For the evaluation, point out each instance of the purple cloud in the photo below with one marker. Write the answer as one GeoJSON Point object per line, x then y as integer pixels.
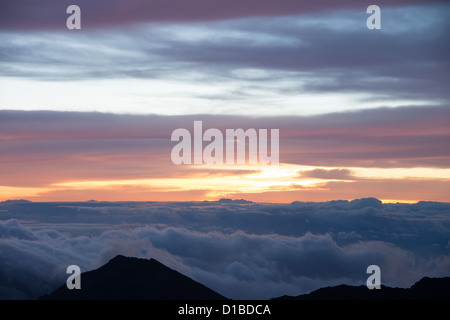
{"type": "Point", "coordinates": [25, 14]}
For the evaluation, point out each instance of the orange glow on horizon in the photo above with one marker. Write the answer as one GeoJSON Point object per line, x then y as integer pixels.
{"type": "Point", "coordinates": [278, 184]}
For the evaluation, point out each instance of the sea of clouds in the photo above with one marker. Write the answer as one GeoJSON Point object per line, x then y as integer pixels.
{"type": "Point", "coordinates": [240, 249]}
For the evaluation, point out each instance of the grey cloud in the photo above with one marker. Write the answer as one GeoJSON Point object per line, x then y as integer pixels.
{"type": "Point", "coordinates": [398, 137]}
{"type": "Point", "coordinates": [328, 174]}
{"type": "Point", "coordinates": [426, 221]}
{"type": "Point", "coordinates": [23, 15]}
{"type": "Point", "coordinates": [12, 228]}
{"type": "Point", "coordinates": [278, 262]}
{"type": "Point", "coordinates": [399, 63]}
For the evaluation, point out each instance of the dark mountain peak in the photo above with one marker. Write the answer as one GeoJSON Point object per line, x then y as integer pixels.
{"type": "Point", "coordinates": [427, 282]}
{"type": "Point", "coordinates": [424, 289]}
{"type": "Point", "coordinates": [20, 201]}
{"type": "Point", "coordinates": [130, 262]}
{"type": "Point", "coordinates": [236, 201]}
{"type": "Point", "coordinates": [123, 259]}
{"type": "Point", "coordinates": [128, 278]}
{"type": "Point", "coordinates": [120, 257]}
{"type": "Point", "coordinates": [435, 288]}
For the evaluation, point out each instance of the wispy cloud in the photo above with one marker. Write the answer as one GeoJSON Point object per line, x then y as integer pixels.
{"type": "Point", "coordinates": [335, 174]}
{"type": "Point", "coordinates": [23, 14]}
{"type": "Point", "coordinates": [280, 65]}
{"type": "Point", "coordinates": [63, 152]}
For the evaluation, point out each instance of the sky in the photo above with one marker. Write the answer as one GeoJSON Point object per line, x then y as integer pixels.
{"type": "Point", "coordinates": [364, 141]}
{"type": "Point", "coordinates": [88, 114]}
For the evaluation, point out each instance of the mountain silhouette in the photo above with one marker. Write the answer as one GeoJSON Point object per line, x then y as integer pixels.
{"type": "Point", "coordinates": [424, 289]}
{"type": "Point", "coordinates": [126, 278]}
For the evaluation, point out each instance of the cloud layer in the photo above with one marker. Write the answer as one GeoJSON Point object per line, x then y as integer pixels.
{"type": "Point", "coordinates": [242, 250]}
{"type": "Point", "coordinates": [21, 14]}
{"type": "Point", "coordinates": [311, 63]}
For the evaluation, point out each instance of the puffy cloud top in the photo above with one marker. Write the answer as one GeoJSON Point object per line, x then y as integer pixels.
{"type": "Point", "coordinates": [242, 250]}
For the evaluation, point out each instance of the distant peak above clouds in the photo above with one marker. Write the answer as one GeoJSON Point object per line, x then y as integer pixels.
{"type": "Point", "coordinates": [128, 278]}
